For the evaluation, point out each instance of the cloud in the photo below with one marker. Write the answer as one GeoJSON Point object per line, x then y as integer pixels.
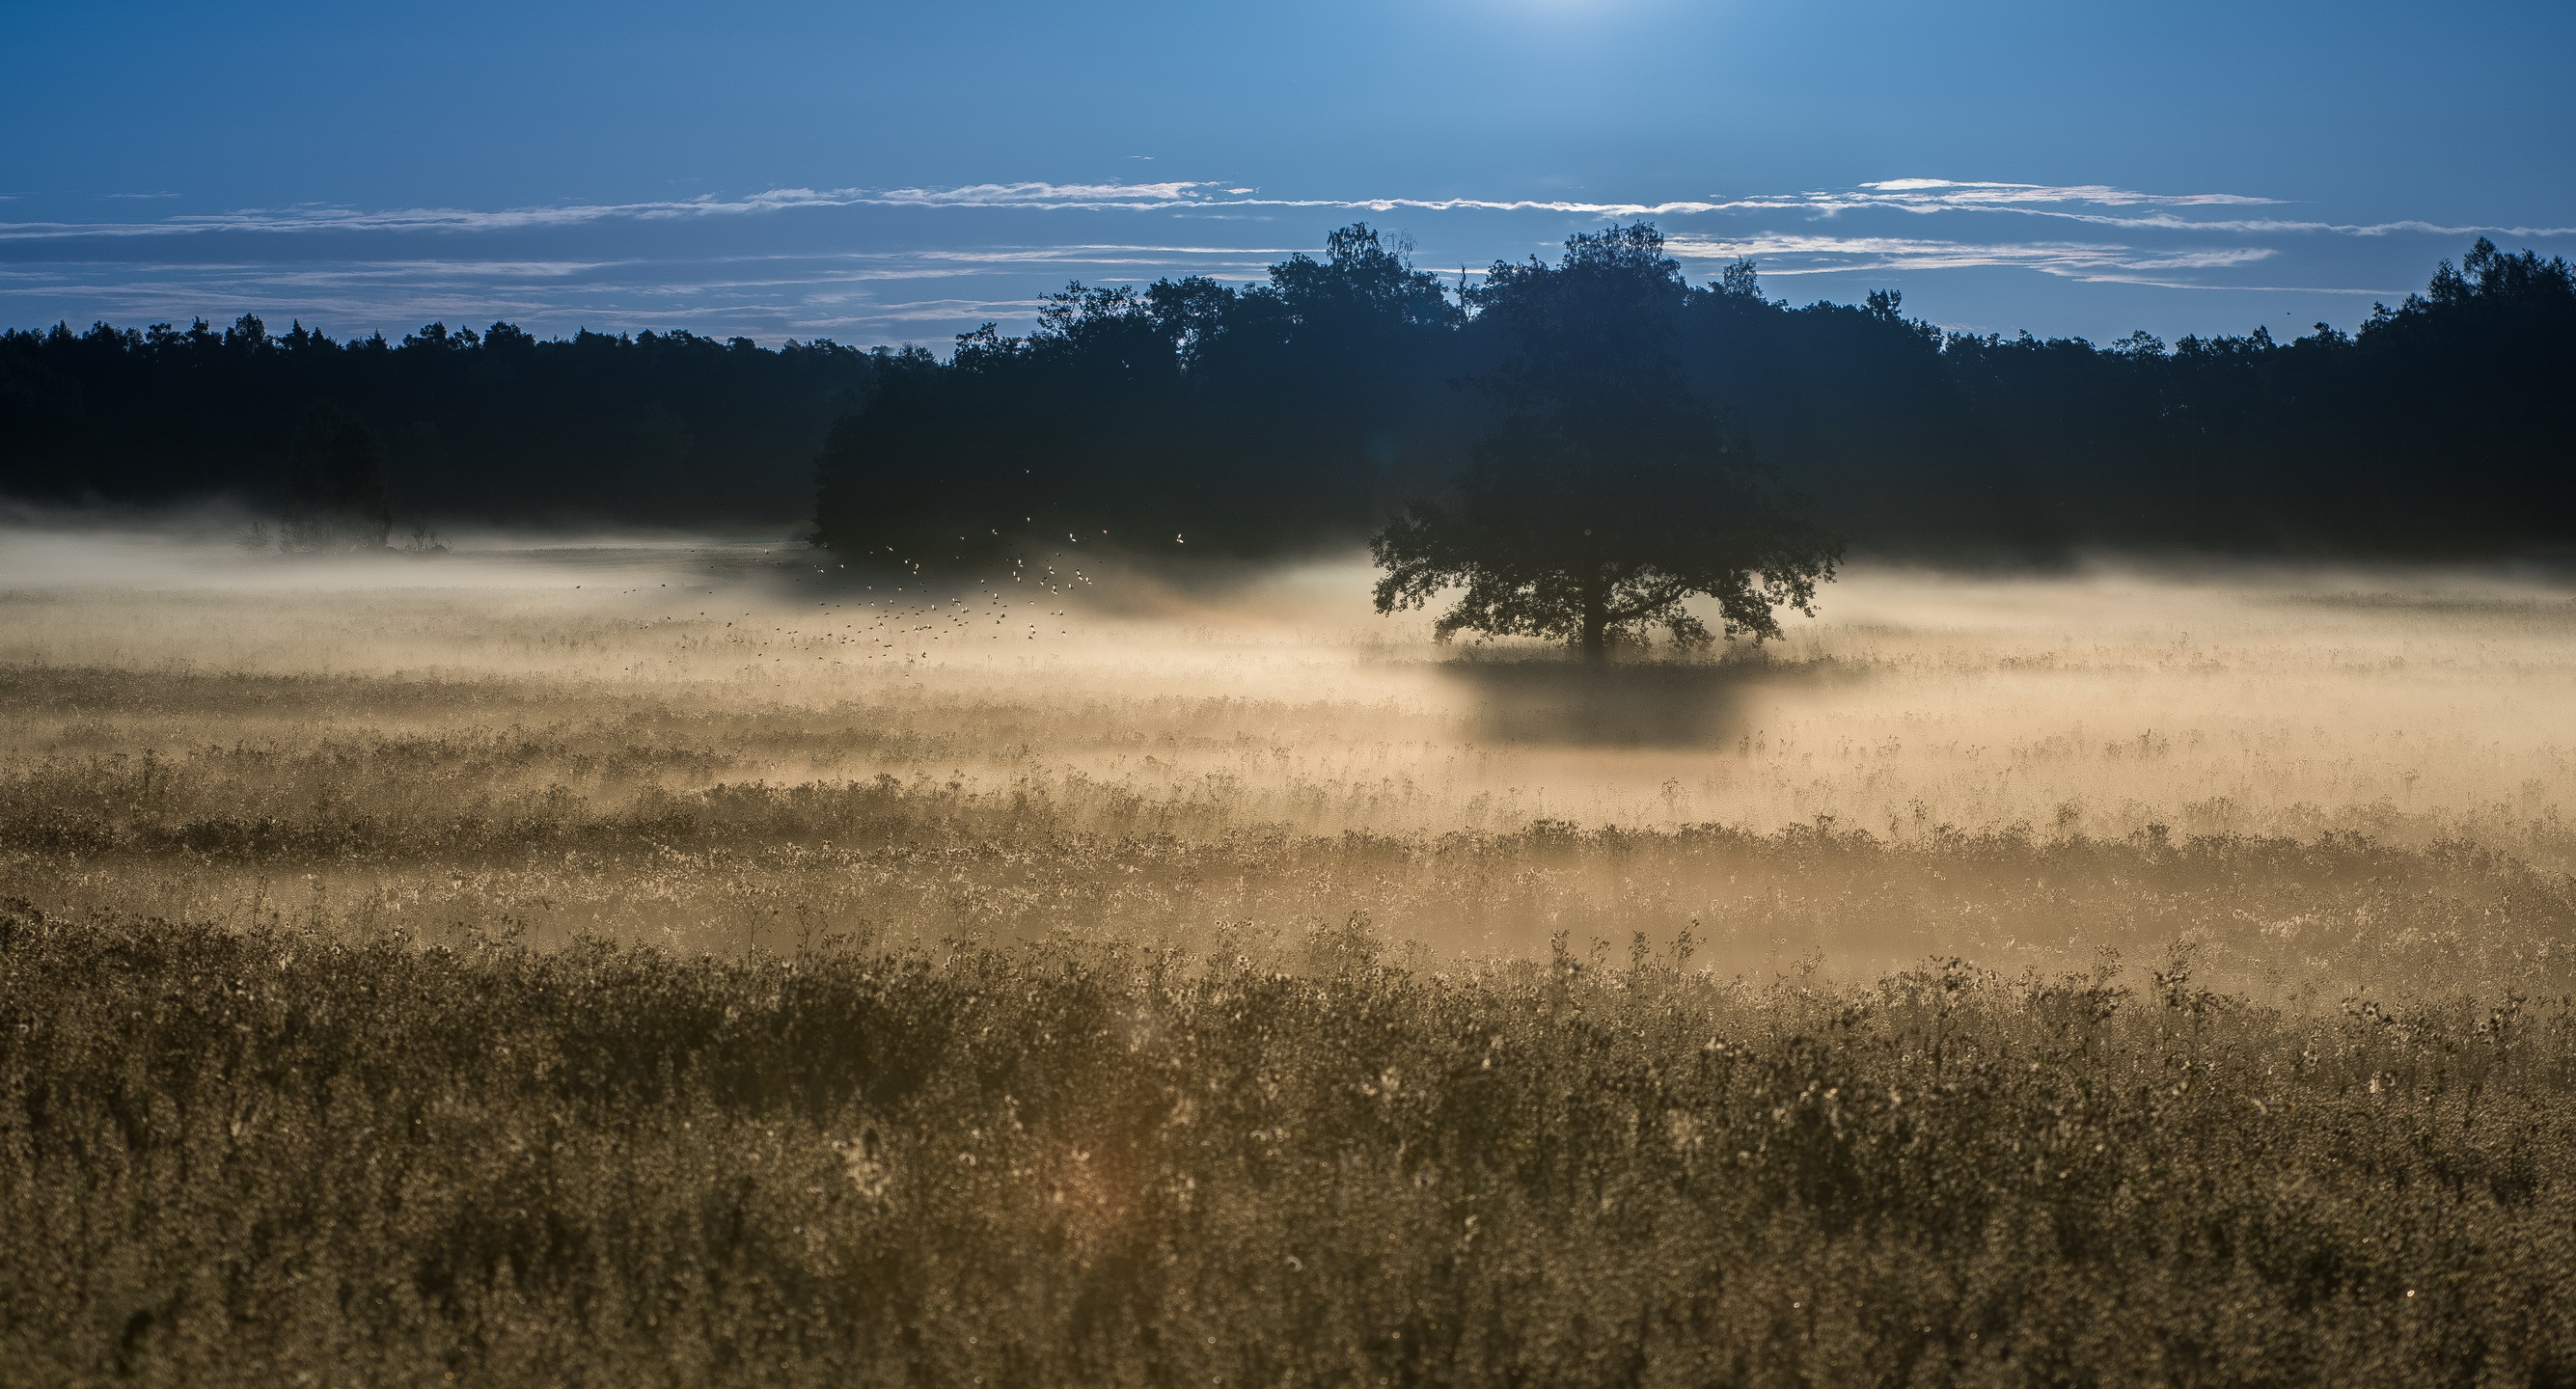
{"type": "Point", "coordinates": [317, 218]}
{"type": "Point", "coordinates": [1791, 255]}
{"type": "Point", "coordinates": [1815, 255]}
{"type": "Point", "coordinates": [2409, 227]}
{"type": "Point", "coordinates": [1934, 194]}
{"type": "Point", "coordinates": [1913, 195]}
{"type": "Point", "coordinates": [939, 310]}
{"type": "Point", "coordinates": [1108, 254]}
{"type": "Point", "coordinates": [1920, 196]}
{"type": "Point", "coordinates": [987, 250]}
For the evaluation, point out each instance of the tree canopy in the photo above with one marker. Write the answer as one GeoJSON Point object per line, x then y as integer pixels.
{"type": "Point", "coordinates": [1250, 420]}
{"type": "Point", "coordinates": [1607, 493]}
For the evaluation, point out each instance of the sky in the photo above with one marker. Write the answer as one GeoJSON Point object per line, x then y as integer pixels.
{"type": "Point", "coordinates": [899, 174]}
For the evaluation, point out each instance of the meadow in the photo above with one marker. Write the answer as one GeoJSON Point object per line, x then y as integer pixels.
{"type": "Point", "coordinates": [692, 962]}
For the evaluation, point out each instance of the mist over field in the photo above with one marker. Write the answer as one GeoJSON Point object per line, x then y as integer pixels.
{"type": "Point", "coordinates": [711, 743]}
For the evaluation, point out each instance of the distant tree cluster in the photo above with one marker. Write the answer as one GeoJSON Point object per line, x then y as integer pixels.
{"type": "Point", "coordinates": [1314, 406]}
{"type": "Point", "coordinates": [656, 429]}
{"type": "Point", "coordinates": [1188, 414]}
{"type": "Point", "coordinates": [2442, 427]}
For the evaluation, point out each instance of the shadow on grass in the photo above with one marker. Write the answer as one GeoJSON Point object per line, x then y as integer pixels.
{"type": "Point", "coordinates": [1621, 704]}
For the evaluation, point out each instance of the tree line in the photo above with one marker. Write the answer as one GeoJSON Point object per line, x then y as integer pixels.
{"type": "Point", "coordinates": [673, 429]}
{"type": "Point", "coordinates": [1190, 416]}
{"type": "Point", "coordinates": [1264, 417]}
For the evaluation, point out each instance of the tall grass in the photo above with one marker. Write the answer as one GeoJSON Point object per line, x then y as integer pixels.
{"type": "Point", "coordinates": [701, 821]}
{"type": "Point", "coordinates": [273, 1156]}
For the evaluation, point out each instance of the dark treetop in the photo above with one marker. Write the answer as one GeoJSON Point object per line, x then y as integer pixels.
{"type": "Point", "coordinates": [1607, 491]}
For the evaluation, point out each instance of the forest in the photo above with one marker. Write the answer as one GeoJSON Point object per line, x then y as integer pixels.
{"type": "Point", "coordinates": [1300, 413]}
{"type": "Point", "coordinates": [651, 429]}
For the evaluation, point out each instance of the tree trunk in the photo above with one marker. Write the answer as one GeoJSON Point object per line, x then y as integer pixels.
{"type": "Point", "coordinates": [1596, 617]}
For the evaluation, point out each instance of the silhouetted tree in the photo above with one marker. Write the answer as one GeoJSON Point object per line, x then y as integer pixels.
{"type": "Point", "coordinates": [1609, 494]}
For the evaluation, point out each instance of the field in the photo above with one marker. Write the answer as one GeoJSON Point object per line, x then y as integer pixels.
{"type": "Point", "coordinates": [691, 963]}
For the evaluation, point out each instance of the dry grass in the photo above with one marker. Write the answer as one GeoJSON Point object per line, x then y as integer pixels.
{"type": "Point", "coordinates": [531, 945]}
{"type": "Point", "coordinates": [277, 1157]}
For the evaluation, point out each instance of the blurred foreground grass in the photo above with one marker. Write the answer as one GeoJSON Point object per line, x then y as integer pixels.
{"type": "Point", "coordinates": [273, 1156]}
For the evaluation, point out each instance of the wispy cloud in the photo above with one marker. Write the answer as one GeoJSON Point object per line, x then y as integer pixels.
{"type": "Point", "coordinates": [1791, 255]}
{"type": "Point", "coordinates": [952, 310]}
{"type": "Point", "coordinates": [2086, 203]}
{"type": "Point", "coordinates": [1911, 195]}
{"type": "Point", "coordinates": [817, 260]}
{"type": "Point", "coordinates": [2262, 225]}
{"type": "Point", "coordinates": [1810, 255]}
{"type": "Point", "coordinates": [1096, 197]}
{"type": "Point", "coordinates": [1934, 194]}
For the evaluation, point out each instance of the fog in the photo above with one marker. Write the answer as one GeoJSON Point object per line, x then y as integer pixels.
{"type": "Point", "coordinates": [2263, 700]}
{"type": "Point", "coordinates": [557, 728]}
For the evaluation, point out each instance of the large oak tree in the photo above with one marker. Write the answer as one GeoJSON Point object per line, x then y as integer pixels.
{"type": "Point", "coordinates": [1610, 494]}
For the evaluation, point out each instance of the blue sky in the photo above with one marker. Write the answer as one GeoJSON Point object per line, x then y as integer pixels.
{"type": "Point", "coordinates": [877, 173]}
